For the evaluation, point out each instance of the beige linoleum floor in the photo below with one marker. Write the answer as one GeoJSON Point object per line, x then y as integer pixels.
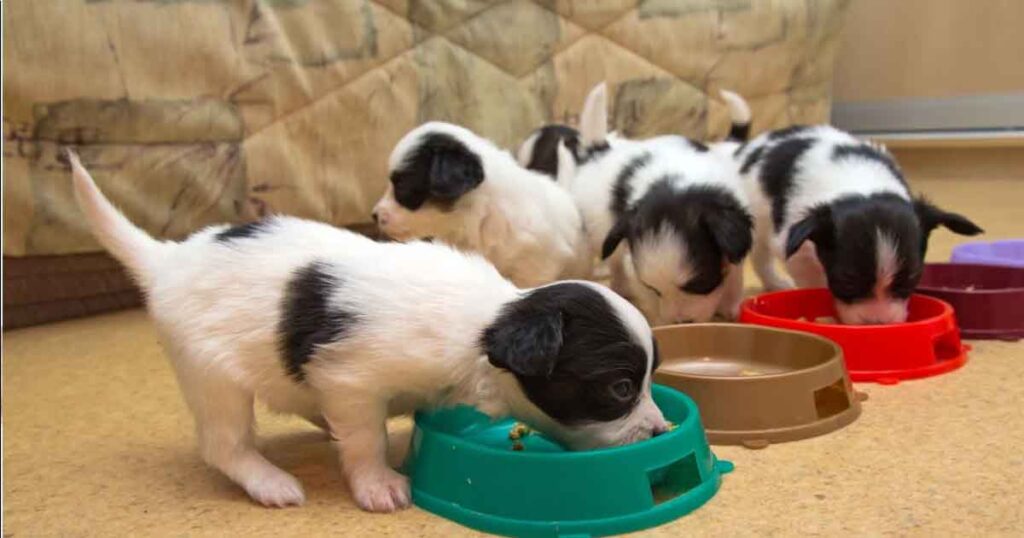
{"type": "Point", "coordinates": [97, 442]}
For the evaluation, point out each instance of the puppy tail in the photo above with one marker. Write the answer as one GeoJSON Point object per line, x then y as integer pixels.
{"type": "Point", "coordinates": [739, 114]}
{"type": "Point", "coordinates": [594, 117]}
{"type": "Point", "coordinates": [125, 241]}
{"type": "Point", "coordinates": [566, 165]}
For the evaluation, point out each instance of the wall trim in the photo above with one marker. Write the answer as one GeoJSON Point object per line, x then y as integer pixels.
{"type": "Point", "coordinates": [991, 112]}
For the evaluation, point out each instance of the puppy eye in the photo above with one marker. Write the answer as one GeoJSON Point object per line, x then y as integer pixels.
{"type": "Point", "coordinates": [652, 288]}
{"type": "Point", "coordinates": [622, 389]}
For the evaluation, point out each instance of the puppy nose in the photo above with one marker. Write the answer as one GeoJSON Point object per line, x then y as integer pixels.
{"type": "Point", "coordinates": [659, 429]}
{"type": "Point", "coordinates": [376, 218]}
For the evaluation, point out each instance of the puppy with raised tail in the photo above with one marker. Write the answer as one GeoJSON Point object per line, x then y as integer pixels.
{"type": "Point", "coordinates": [668, 214]}
{"type": "Point", "coordinates": [452, 185]}
{"type": "Point", "coordinates": [838, 212]}
{"type": "Point", "coordinates": [345, 331]}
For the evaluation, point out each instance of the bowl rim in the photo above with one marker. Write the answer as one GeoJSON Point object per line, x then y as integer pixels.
{"type": "Point", "coordinates": [988, 291]}
{"type": "Point", "coordinates": [748, 306]}
{"type": "Point", "coordinates": [692, 421]}
{"type": "Point", "coordinates": [836, 349]}
{"type": "Point", "coordinates": [980, 252]}
{"type": "Point", "coordinates": [969, 245]}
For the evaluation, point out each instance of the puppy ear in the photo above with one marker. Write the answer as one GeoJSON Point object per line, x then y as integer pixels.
{"type": "Point", "coordinates": [932, 217]}
{"type": "Point", "coordinates": [615, 236]}
{"type": "Point", "coordinates": [818, 227]}
{"type": "Point", "coordinates": [594, 117]}
{"type": "Point", "coordinates": [731, 229]}
{"type": "Point", "coordinates": [525, 341]}
{"type": "Point", "coordinates": [454, 171]}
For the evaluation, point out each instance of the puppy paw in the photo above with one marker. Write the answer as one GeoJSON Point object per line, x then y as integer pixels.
{"type": "Point", "coordinates": [382, 491]}
{"type": "Point", "coordinates": [276, 489]}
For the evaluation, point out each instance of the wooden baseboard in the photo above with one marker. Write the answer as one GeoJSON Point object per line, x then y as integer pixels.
{"type": "Point", "coordinates": [16, 316]}
{"type": "Point", "coordinates": [960, 162]}
{"type": "Point", "coordinates": [40, 289]}
{"type": "Point", "coordinates": [43, 289]}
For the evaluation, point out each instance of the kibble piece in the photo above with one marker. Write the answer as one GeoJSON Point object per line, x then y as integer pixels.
{"type": "Point", "coordinates": [517, 446]}
{"type": "Point", "coordinates": [518, 431]}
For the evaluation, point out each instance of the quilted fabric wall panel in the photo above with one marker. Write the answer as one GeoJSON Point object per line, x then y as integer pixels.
{"type": "Point", "coordinates": [191, 112]}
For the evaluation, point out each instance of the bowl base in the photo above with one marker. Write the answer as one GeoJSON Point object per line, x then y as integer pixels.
{"type": "Point", "coordinates": [893, 377]}
{"type": "Point", "coordinates": [661, 513]}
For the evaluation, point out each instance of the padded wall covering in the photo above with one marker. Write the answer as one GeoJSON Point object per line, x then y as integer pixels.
{"type": "Point", "coordinates": [191, 112]}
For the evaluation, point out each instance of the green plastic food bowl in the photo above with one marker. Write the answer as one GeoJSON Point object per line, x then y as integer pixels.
{"type": "Point", "coordinates": [464, 467]}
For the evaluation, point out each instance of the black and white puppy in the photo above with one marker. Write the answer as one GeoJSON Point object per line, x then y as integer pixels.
{"type": "Point", "coordinates": [452, 185]}
{"type": "Point", "coordinates": [679, 208]}
{"type": "Point", "coordinates": [839, 213]}
{"type": "Point", "coordinates": [345, 331]}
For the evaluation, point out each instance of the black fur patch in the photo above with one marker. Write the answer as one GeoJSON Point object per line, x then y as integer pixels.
{"type": "Point", "coordinates": [570, 352]}
{"type": "Point", "coordinates": [866, 152]}
{"type": "Point", "coordinates": [623, 187]}
{"type": "Point", "coordinates": [439, 170]}
{"type": "Point", "coordinates": [242, 231]}
{"type": "Point", "coordinates": [777, 172]}
{"type": "Point", "coordinates": [845, 234]}
{"type": "Point", "coordinates": [711, 223]}
{"type": "Point", "coordinates": [544, 158]}
{"type": "Point", "coordinates": [698, 145]}
{"type": "Point", "coordinates": [308, 320]}
{"type": "Point", "coordinates": [739, 132]}
{"type": "Point", "coordinates": [787, 132]}
{"type": "Point", "coordinates": [751, 159]}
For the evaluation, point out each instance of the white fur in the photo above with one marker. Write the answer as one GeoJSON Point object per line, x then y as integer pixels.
{"type": "Point", "coordinates": [520, 220]}
{"type": "Point", "coordinates": [422, 308]}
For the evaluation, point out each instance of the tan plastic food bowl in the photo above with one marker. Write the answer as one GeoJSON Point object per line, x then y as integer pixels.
{"type": "Point", "coordinates": [758, 385]}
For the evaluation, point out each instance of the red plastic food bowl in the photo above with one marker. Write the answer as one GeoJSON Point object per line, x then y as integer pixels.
{"type": "Point", "coordinates": [927, 344]}
{"type": "Point", "coordinates": [988, 299]}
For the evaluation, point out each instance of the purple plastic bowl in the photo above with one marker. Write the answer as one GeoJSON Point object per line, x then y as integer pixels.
{"type": "Point", "coordinates": [1010, 252]}
{"type": "Point", "coordinates": [988, 299]}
